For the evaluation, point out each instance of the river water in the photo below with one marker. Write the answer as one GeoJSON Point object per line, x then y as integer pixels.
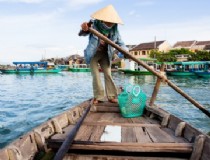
{"type": "Point", "coordinates": [28, 100]}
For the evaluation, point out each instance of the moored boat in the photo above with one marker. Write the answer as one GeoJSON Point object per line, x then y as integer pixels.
{"type": "Point", "coordinates": [79, 68]}
{"type": "Point", "coordinates": [132, 67]}
{"type": "Point", "coordinates": [205, 72]}
{"type": "Point", "coordinates": [31, 67]}
{"type": "Point", "coordinates": [63, 67]}
{"type": "Point", "coordinates": [186, 68]}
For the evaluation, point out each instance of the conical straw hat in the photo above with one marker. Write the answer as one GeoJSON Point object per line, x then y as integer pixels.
{"type": "Point", "coordinates": [107, 14]}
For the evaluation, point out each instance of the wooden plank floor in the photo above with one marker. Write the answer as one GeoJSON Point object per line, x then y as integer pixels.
{"type": "Point", "coordinates": [140, 134]}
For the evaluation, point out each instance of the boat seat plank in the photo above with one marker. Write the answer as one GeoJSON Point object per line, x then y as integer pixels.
{"type": "Point", "coordinates": [120, 124]}
{"type": "Point", "coordinates": [128, 134]}
{"type": "Point", "coordinates": [159, 136]}
{"type": "Point", "coordinates": [105, 109]}
{"type": "Point", "coordinates": [136, 147]}
{"type": "Point", "coordinates": [107, 104]}
{"type": "Point", "coordinates": [110, 157]}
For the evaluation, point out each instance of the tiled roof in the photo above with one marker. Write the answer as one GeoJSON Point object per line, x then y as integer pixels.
{"type": "Point", "coordinates": [207, 47]}
{"type": "Point", "coordinates": [147, 46]}
{"type": "Point", "coordinates": [203, 43]}
{"type": "Point", "coordinates": [183, 44]}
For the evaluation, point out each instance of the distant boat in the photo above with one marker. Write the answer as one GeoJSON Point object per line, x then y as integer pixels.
{"type": "Point", "coordinates": [206, 72]}
{"type": "Point", "coordinates": [186, 68]}
{"type": "Point", "coordinates": [203, 73]}
{"type": "Point", "coordinates": [31, 67]}
{"type": "Point", "coordinates": [132, 67]}
{"type": "Point", "coordinates": [63, 67]}
{"type": "Point", "coordinates": [79, 68]}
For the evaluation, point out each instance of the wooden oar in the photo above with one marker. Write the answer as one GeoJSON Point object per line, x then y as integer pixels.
{"type": "Point", "coordinates": [69, 139]}
{"type": "Point", "coordinates": [199, 106]}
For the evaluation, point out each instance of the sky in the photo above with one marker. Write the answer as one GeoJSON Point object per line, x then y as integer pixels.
{"type": "Point", "coordinates": [34, 29]}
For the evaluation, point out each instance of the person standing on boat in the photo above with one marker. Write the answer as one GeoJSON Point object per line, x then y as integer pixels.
{"type": "Point", "coordinates": [105, 21]}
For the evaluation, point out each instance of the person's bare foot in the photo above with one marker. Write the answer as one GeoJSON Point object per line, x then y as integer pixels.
{"type": "Point", "coordinates": [114, 100]}
{"type": "Point", "coordinates": [95, 101]}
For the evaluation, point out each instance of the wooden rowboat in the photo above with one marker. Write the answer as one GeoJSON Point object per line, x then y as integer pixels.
{"type": "Point", "coordinates": [154, 136]}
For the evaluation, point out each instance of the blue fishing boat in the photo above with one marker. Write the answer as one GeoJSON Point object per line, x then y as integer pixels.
{"type": "Point", "coordinates": [205, 72]}
{"type": "Point", "coordinates": [186, 68]}
{"type": "Point", "coordinates": [31, 67]}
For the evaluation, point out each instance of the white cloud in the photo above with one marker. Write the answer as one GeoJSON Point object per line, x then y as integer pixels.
{"type": "Point", "coordinates": [29, 37]}
{"type": "Point", "coordinates": [79, 4]}
{"type": "Point", "coordinates": [22, 1]}
{"type": "Point", "coordinates": [198, 29]}
{"type": "Point", "coordinates": [134, 13]}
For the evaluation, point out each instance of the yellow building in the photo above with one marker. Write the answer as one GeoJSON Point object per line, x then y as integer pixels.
{"type": "Point", "coordinates": [143, 50]}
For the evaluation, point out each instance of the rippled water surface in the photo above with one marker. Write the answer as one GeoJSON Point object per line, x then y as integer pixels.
{"type": "Point", "coordinates": [28, 100]}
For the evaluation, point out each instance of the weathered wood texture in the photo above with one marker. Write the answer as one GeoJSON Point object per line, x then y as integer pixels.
{"type": "Point", "coordinates": [140, 135]}
{"type": "Point", "coordinates": [198, 147]}
{"type": "Point", "coordinates": [23, 148]}
{"type": "Point", "coordinates": [4, 155]}
{"type": "Point", "coordinates": [109, 157]}
{"type": "Point", "coordinates": [70, 137]}
{"type": "Point", "coordinates": [206, 150]}
{"type": "Point", "coordinates": [137, 147]}
{"type": "Point", "coordinates": [95, 123]}
{"type": "Point", "coordinates": [156, 88]}
{"type": "Point", "coordinates": [189, 133]}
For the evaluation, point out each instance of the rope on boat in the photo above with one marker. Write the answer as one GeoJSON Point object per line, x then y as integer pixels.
{"type": "Point", "coordinates": [176, 88]}
{"type": "Point", "coordinates": [69, 139]}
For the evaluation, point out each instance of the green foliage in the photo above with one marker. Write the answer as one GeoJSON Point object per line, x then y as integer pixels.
{"type": "Point", "coordinates": [200, 56]}
{"type": "Point", "coordinates": [180, 51]}
{"type": "Point", "coordinates": [170, 56]}
{"type": "Point", "coordinates": [163, 57]}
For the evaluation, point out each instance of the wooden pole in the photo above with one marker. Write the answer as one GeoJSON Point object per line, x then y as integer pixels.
{"type": "Point", "coordinates": [128, 55]}
{"type": "Point", "coordinates": [156, 88]}
{"type": "Point", "coordinates": [69, 139]}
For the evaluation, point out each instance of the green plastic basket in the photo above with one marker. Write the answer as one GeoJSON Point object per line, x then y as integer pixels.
{"type": "Point", "coordinates": [132, 101]}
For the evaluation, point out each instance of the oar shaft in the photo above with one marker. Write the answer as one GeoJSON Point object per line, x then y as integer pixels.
{"type": "Point", "coordinates": [199, 106]}
{"type": "Point", "coordinates": [69, 139]}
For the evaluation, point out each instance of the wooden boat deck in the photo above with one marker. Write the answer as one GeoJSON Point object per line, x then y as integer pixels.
{"type": "Point", "coordinates": [143, 137]}
{"type": "Point", "coordinates": [156, 135]}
